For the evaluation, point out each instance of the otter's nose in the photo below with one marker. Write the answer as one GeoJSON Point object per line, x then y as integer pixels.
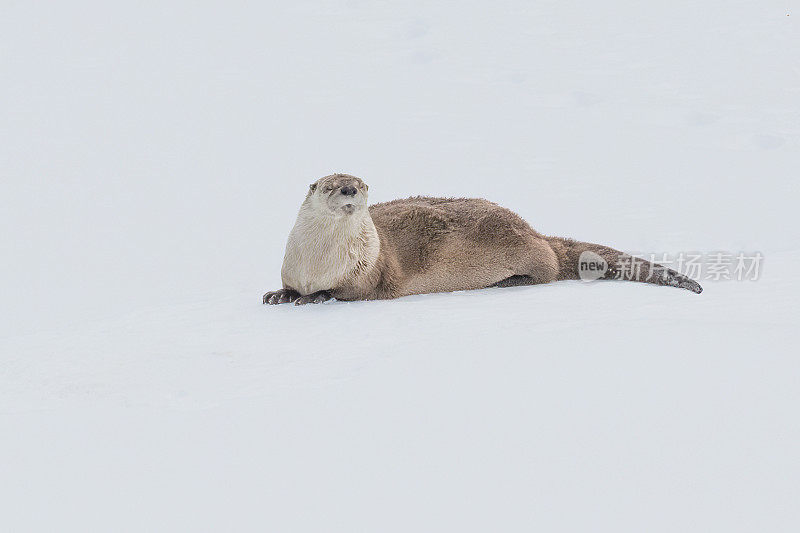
{"type": "Point", "coordinates": [349, 190]}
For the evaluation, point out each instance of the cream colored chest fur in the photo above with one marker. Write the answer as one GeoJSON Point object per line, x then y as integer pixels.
{"type": "Point", "coordinates": [325, 252]}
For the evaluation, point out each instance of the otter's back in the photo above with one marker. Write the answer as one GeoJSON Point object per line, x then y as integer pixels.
{"type": "Point", "coordinates": [449, 243]}
{"type": "Point", "coordinates": [429, 218]}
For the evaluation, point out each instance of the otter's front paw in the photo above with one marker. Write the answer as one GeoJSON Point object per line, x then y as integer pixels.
{"type": "Point", "coordinates": [316, 298]}
{"type": "Point", "coordinates": [281, 296]}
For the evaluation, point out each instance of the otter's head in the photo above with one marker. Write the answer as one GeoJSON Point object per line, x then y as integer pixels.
{"type": "Point", "coordinates": [339, 195]}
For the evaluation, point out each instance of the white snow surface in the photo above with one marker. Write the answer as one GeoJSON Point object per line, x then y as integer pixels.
{"type": "Point", "coordinates": [152, 160]}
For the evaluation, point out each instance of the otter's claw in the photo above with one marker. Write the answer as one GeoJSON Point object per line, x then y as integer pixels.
{"type": "Point", "coordinates": [281, 296]}
{"type": "Point", "coordinates": [315, 298]}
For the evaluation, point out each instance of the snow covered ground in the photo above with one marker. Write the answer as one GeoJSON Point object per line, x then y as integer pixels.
{"type": "Point", "coordinates": [152, 160]}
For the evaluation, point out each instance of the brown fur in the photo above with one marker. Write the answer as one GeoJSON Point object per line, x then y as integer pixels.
{"type": "Point", "coordinates": [449, 244]}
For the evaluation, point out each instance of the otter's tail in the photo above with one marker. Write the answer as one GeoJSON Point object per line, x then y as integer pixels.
{"type": "Point", "coordinates": [583, 260]}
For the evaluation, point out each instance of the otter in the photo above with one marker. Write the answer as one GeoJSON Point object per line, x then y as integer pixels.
{"type": "Point", "coordinates": [341, 248]}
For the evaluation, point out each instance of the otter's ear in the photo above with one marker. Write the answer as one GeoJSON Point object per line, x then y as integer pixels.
{"type": "Point", "coordinates": [312, 187]}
